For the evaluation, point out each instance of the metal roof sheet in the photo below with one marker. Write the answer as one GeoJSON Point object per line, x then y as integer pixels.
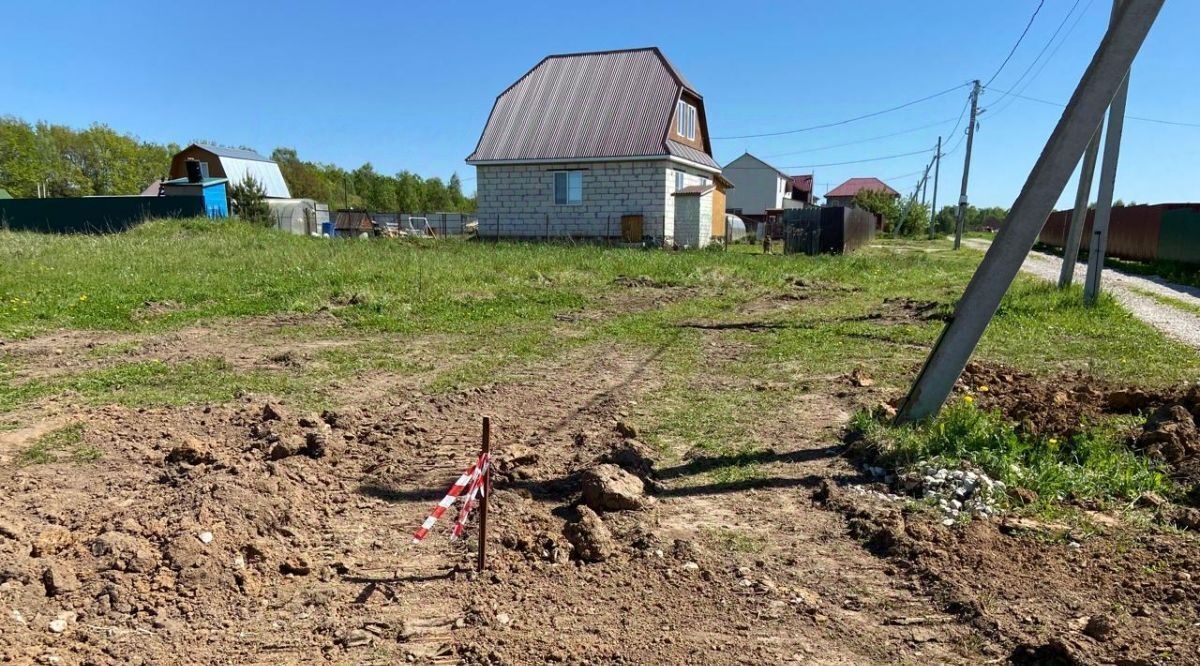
{"type": "Point", "coordinates": [691, 154]}
{"type": "Point", "coordinates": [240, 153]}
{"type": "Point", "coordinates": [587, 105]}
{"type": "Point", "coordinates": [693, 190]}
{"type": "Point", "coordinates": [267, 173]}
{"type": "Point", "coordinates": [803, 183]}
{"type": "Point", "coordinates": [855, 185]}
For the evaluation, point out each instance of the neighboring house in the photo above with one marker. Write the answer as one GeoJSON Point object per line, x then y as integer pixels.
{"type": "Point", "coordinates": [233, 164]}
{"type": "Point", "coordinates": [759, 187]}
{"type": "Point", "coordinates": [843, 195]}
{"type": "Point", "coordinates": [802, 190]}
{"type": "Point", "coordinates": [583, 140]}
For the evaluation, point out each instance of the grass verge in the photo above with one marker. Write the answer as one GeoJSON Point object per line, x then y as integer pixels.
{"type": "Point", "coordinates": [66, 441]}
{"type": "Point", "coordinates": [1094, 466]}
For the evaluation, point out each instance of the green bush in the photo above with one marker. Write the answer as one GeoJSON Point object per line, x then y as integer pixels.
{"type": "Point", "coordinates": [250, 200]}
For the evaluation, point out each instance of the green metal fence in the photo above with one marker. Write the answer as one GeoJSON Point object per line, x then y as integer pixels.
{"type": "Point", "coordinates": [93, 215]}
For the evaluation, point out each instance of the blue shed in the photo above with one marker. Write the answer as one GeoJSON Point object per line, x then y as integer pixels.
{"type": "Point", "coordinates": [216, 201]}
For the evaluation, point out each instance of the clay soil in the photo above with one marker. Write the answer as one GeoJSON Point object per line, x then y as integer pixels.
{"type": "Point", "coordinates": [260, 533]}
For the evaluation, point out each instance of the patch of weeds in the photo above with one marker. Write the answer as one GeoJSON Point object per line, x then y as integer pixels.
{"type": "Point", "coordinates": [9, 425]}
{"type": "Point", "coordinates": [50, 446]}
{"type": "Point", "coordinates": [1094, 466]}
{"type": "Point", "coordinates": [739, 467]}
{"type": "Point", "coordinates": [114, 349]}
{"type": "Point", "coordinates": [739, 542]}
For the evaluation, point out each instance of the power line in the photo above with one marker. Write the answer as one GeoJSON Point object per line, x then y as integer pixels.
{"type": "Point", "coordinates": [1041, 68]}
{"type": "Point", "coordinates": [1050, 41]}
{"type": "Point", "coordinates": [1019, 40]}
{"type": "Point", "coordinates": [843, 122]}
{"type": "Point", "coordinates": [870, 159]}
{"type": "Point", "coordinates": [854, 143]}
{"type": "Point", "coordinates": [1144, 119]}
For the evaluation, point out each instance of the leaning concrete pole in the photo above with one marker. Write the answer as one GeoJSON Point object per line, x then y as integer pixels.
{"type": "Point", "coordinates": [1042, 188]}
{"type": "Point", "coordinates": [1079, 215]}
{"type": "Point", "coordinates": [1104, 198]}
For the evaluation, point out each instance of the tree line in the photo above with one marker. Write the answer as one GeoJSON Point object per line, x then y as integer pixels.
{"type": "Point", "coordinates": [60, 161]}
{"type": "Point", "coordinates": [914, 220]}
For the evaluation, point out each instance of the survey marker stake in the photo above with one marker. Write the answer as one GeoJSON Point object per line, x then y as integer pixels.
{"type": "Point", "coordinates": [487, 493]}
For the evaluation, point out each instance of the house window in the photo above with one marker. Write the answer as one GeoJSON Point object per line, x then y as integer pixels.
{"type": "Point", "coordinates": [679, 185]}
{"type": "Point", "coordinates": [568, 187]}
{"type": "Point", "coordinates": [685, 120]}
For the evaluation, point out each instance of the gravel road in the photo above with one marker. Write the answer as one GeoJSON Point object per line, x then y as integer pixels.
{"type": "Point", "coordinates": [1135, 292]}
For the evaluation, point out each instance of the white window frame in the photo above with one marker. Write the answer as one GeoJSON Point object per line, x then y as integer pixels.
{"type": "Point", "coordinates": [568, 175]}
{"type": "Point", "coordinates": [680, 180]}
{"type": "Point", "coordinates": [685, 120]}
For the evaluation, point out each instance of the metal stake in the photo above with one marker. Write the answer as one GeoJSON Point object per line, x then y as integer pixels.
{"type": "Point", "coordinates": [1103, 78]}
{"type": "Point", "coordinates": [487, 493]}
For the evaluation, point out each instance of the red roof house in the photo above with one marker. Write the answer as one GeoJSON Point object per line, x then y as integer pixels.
{"type": "Point", "coordinates": [843, 195]}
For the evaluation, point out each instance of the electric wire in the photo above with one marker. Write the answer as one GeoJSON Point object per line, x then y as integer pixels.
{"type": "Point", "coordinates": [1019, 40]}
{"type": "Point", "coordinates": [843, 122]}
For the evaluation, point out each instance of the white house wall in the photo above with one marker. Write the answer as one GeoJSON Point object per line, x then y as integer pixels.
{"type": "Point", "coordinates": [517, 200]}
{"type": "Point", "coordinates": [756, 186]}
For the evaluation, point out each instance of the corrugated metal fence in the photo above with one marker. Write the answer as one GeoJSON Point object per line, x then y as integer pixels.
{"type": "Point", "coordinates": [1169, 232]}
{"type": "Point", "coordinates": [93, 214]}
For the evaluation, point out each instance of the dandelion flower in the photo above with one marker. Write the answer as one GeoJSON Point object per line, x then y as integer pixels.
{"type": "Point", "coordinates": [1053, 441]}
{"type": "Point", "coordinates": [83, 297]}
{"type": "Point", "coordinates": [968, 399]}
{"type": "Point", "coordinates": [983, 389]}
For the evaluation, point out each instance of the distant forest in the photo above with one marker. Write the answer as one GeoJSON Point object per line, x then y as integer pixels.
{"type": "Point", "coordinates": [67, 162]}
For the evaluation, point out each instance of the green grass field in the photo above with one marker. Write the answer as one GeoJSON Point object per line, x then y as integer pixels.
{"type": "Point", "coordinates": [451, 314]}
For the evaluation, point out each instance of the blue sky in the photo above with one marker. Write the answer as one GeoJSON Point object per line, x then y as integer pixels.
{"type": "Point", "coordinates": [409, 85]}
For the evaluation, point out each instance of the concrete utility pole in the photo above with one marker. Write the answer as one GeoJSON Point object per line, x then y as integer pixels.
{"type": "Point", "coordinates": [937, 165]}
{"type": "Point", "coordinates": [1108, 181]}
{"type": "Point", "coordinates": [1079, 215]}
{"type": "Point", "coordinates": [1097, 88]}
{"type": "Point", "coordinates": [925, 182]}
{"type": "Point", "coordinates": [962, 194]}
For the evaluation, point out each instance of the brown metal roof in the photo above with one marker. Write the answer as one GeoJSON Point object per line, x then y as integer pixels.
{"type": "Point", "coordinates": [684, 151]}
{"type": "Point", "coordinates": [854, 185]}
{"type": "Point", "coordinates": [693, 190]}
{"type": "Point", "coordinates": [588, 105]}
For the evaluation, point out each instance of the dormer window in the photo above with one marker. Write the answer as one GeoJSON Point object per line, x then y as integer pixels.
{"type": "Point", "coordinates": [685, 120]}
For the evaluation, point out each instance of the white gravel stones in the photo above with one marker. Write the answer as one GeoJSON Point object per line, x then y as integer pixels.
{"type": "Point", "coordinates": [961, 492]}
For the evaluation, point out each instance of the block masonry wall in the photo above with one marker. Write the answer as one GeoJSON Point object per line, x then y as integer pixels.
{"type": "Point", "coordinates": [517, 200]}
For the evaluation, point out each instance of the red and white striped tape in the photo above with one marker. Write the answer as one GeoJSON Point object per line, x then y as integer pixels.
{"type": "Point", "coordinates": [467, 481]}
{"type": "Point", "coordinates": [476, 489]}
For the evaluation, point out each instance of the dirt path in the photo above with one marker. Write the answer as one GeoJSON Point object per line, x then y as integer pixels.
{"type": "Point", "coordinates": [1135, 292]}
{"type": "Point", "coordinates": [200, 541]}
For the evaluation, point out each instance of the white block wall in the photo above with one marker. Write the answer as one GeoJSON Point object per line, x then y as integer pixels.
{"type": "Point", "coordinates": [517, 200]}
{"type": "Point", "coordinates": [693, 221]}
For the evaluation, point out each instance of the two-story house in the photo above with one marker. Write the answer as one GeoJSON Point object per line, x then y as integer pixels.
{"type": "Point", "coordinates": [585, 140]}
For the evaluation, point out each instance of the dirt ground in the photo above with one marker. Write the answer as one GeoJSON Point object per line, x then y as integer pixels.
{"type": "Point", "coordinates": [259, 533]}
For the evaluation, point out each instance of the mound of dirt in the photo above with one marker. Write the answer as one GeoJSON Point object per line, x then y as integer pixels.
{"type": "Point", "coordinates": [1120, 595]}
{"type": "Point", "coordinates": [1062, 405]}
